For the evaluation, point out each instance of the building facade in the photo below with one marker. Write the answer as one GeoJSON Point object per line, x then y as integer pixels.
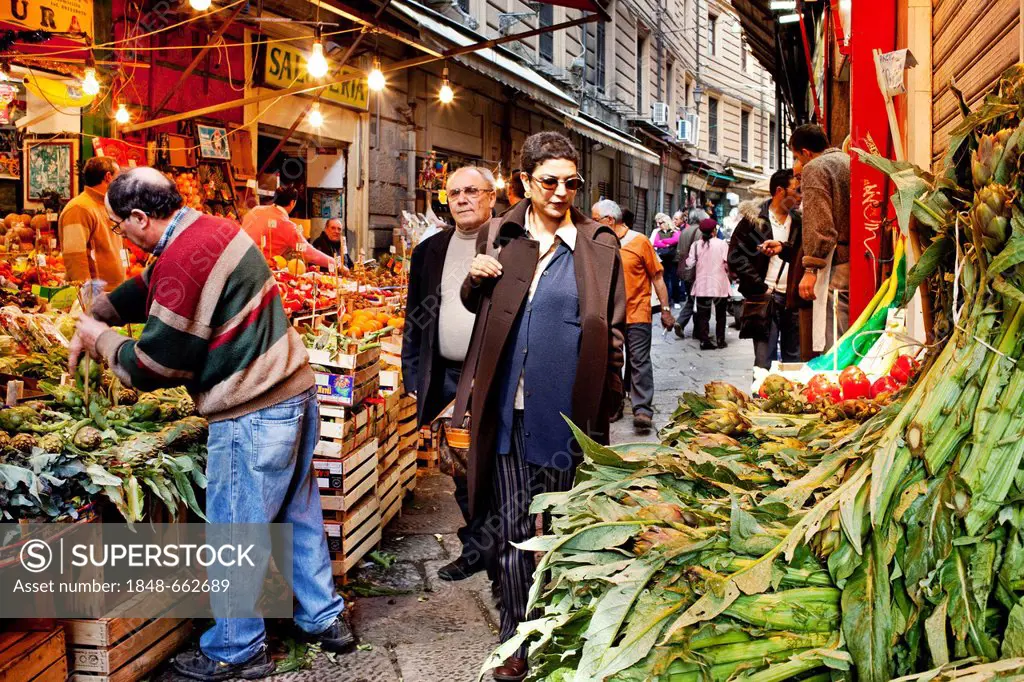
{"type": "Point", "coordinates": [664, 102]}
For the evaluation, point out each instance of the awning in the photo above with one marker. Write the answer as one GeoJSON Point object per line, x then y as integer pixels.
{"type": "Point", "coordinates": [747, 175]}
{"type": "Point", "coordinates": [716, 178]}
{"type": "Point", "coordinates": [585, 5]}
{"type": "Point", "coordinates": [608, 136]}
{"type": "Point", "coordinates": [490, 62]}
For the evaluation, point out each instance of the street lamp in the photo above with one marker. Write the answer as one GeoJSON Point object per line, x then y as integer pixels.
{"type": "Point", "coordinates": [698, 94]}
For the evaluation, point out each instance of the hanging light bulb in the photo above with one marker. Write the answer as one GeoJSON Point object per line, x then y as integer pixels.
{"type": "Point", "coordinates": [316, 65]}
{"type": "Point", "coordinates": [375, 80]}
{"type": "Point", "coordinates": [90, 85]}
{"type": "Point", "coordinates": [199, 5]}
{"type": "Point", "coordinates": [316, 118]}
{"type": "Point", "coordinates": [446, 94]}
{"type": "Point", "coordinates": [122, 115]}
{"type": "Point", "coordinates": [499, 183]}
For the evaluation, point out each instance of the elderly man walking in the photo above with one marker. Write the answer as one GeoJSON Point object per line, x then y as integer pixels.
{"type": "Point", "coordinates": [437, 333]}
{"type": "Point", "coordinates": [641, 269]}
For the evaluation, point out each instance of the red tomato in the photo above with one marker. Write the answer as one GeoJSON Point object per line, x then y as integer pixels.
{"type": "Point", "coordinates": [904, 368]}
{"type": "Point", "coordinates": [854, 383]}
{"type": "Point", "coordinates": [818, 382]}
{"type": "Point", "coordinates": [884, 385]}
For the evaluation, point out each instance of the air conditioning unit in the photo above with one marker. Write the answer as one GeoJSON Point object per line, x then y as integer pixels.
{"type": "Point", "coordinates": [688, 129]}
{"type": "Point", "coordinates": [659, 114]}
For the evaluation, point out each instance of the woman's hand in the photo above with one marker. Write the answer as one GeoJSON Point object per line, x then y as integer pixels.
{"type": "Point", "coordinates": [484, 267]}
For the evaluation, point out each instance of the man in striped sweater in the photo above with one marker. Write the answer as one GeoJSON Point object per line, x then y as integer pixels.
{"type": "Point", "coordinates": [215, 324]}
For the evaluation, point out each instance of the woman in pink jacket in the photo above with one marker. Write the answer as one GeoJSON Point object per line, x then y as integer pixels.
{"type": "Point", "coordinates": [711, 287]}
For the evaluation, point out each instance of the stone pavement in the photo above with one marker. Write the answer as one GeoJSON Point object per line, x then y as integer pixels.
{"type": "Point", "coordinates": [421, 629]}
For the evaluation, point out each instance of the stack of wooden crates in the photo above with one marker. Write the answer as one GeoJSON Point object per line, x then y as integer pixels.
{"type": "Point", "coordinates": [345, 463]}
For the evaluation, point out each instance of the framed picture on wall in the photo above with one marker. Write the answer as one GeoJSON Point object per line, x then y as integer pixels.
{"type": "Point", "coordinates": [49, 167]}
{"type": "Point", "coordinates": [213, 142]}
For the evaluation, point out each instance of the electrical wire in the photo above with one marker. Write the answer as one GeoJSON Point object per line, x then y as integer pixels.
{"type": "Point", "coordinates": [167, 48]}
{"type": "Point", "coordinates": [110, 45]}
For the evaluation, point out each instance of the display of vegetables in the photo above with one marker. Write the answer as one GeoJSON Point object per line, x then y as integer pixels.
{"type": "Point", "coordinates": [58, 455]}
{"type": "Point", "coordinates": [789, 551]}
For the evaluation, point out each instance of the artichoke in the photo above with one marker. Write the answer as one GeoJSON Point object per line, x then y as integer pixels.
{"type": "Point", "coordinates": [24, 442]}
{"type": "Point", "coordinates": [52, 443]}
{"type": "Point", "coordinates": [775, 385]}
{"type": "Point", "coordinates": [18, 418]}
{"type": "Point", "coordinates": [88, 438]}
{"type": "Point", "coordinates": [727, 421]}
{"type": "Point", "coordinates": [723, 392]}
{"type": "Point", "coordinates": [187, 406]}
{"type": "Point", "coordinates": [991, 162]}
{"type": "Point", "coordinates": [5, 441]}
{"type": "Point", "coordinates": [991, 216]}
{"type": "Point", "coordinates": [145, 411]}
{"type": "Point", "coordinates": [127, 396]}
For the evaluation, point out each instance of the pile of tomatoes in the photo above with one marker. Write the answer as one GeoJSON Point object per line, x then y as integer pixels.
{"type": "Point", "coordinates": [854, 384]}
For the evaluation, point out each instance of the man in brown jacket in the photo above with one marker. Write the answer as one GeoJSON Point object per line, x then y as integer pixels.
{"type": "Point", "coordinates": [91, 248]}
{"type": "Point", "coordinates": [825, 184]}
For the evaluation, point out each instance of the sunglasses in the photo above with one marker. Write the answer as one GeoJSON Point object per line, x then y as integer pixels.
{"type": "Point", "coordinates": [571, 184]}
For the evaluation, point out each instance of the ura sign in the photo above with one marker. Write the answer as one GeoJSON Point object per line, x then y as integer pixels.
{"type": "Point", "coordinates": [285, 67]}
{"type": "Point", "coordinates": [59, 16]}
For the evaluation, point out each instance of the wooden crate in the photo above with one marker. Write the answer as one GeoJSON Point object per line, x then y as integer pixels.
{"type": "Point", "coordinates": [390, 493]}
{"type": "Point", "coordinates": [342, 431]}
{"type": "Point", "coordinates": [348, 541]}
{"type": "Point", "coordinates": [426, 450]}
{"type": "Point", "coordinates": [387, 453]}
{"type": "Point", "coordinates": [122, 649]}
{"type": "Point", "coordinates": [343, 361]}
{"type": "Point", "coordinates": [407, 466]}
{"type": "Point", "coordinates": [33, 656]}
{"type": "Point", "coordinates": [343, 483]}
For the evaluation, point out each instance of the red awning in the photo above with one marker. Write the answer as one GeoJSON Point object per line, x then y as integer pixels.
{"type": "Point", "coordinates": [597, 6]}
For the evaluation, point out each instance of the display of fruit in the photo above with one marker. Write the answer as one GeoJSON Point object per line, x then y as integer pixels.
{"type": "Point", "coordinates": [40, 223]}
{"type": "Point", "coordinates": [884, 386]}
{"type": "Point", "coordinates": [819, 388]}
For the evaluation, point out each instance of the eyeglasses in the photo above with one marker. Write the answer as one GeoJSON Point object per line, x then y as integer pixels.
{"type": "Point", "coordinates": [115, 226]}
{"type": "Point", "coordinates": [571, 184]}
{"type": "Point", "coordinates": [470, 193]}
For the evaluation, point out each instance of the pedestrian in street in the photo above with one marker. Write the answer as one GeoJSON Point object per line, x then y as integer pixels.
{"type": "Point", "coordinates": [761, 254]}
{"type": "Point", "coordinates": [825, 184]}
{"type": "Point", "coordinates": [666, 244]}
{"type": "Point", "coordinates": [215, 324]}
{"type": "Point", "coordinates": [687, 236]}
{"type": "Point", "coordinates": [91, 248]}
{"type": "Point", "coordinates": [549, 335]}
{"type": "Point", "coordinates": [641, 270]}
{"type": "Point", "coordinates": [708, 256]}
{"type": "Point", "coordinates": [276, 235]}
{"type": "Point", "coordinates": [437, 332]}
{"type": "Point", "coordinates": [333, 243]}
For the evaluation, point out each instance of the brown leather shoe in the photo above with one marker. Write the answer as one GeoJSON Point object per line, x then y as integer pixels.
{"type": "Point", "coordinates": [514, 670]}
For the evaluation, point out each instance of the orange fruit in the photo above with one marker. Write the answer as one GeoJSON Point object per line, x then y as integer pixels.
{"type": "Point", "coordinates": [345, 319]}
{"type": "Point", "coordinates": [383, 318]}
{"type": "Point", "coordinates": [396, 322]}
{"type": "Point", "coordinates": [356, 332]}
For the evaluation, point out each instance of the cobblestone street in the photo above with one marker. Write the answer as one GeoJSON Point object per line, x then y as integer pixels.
{"type": "Point", "coordinates": [432, 631]}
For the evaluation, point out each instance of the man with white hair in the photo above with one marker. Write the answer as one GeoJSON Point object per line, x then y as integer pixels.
{"type": "Point", "coordinates": [438, 328]}
{"type": "Point", "coordinates": [641, 269]}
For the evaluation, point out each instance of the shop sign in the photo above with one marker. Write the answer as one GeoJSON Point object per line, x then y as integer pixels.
{"type": "Point", "coordinates": [58, 16]}
{"type": "Point", "coordinates": [285, 67]}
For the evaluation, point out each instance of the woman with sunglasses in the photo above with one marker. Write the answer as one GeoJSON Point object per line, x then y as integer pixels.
{"type": "Point", "coordinates": [548, 291]}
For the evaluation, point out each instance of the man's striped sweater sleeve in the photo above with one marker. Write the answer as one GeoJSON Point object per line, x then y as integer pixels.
{"type": "Point", "coordinates": [127, 303]}
{"type": "Point", "coordinates": [169, 352]}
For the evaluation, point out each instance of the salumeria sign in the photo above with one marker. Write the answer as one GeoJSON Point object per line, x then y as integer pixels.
{"type": "Point", "coordinates": [285, 67]}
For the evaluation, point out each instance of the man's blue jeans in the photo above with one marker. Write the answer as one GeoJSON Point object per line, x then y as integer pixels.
{"type": "Point", "coordinates": [260, 471]}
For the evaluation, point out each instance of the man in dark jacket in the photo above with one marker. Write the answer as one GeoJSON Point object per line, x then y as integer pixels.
{"type": "Point", "coordinates": [332, 242]}
{"type": "Point", "coordinates": [437, 332]}
{"type": "Point", "coordinates": [761, 255]}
